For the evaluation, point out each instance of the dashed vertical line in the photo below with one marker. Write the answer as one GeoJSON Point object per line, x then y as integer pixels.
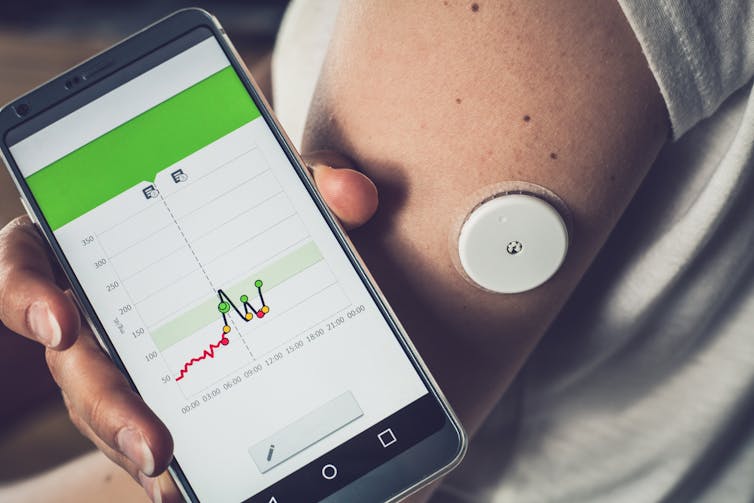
{"type": "Point", "coordinates": [204, 271]}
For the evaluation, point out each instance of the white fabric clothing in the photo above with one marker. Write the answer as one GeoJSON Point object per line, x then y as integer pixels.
{"type": "Point", "coordinates": [305, 32]}
{"type": "Point", "coordinates": [643, 389]}
{"type": "Point", "coordinates": [700, 52]}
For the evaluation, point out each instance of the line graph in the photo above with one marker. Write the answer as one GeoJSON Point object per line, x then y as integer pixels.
{"type": "Point", "coordinates": [224, 307]}
{"type": "Point", "coordinates": [208, 353]}
{"type": "Point", "coordinates": [194, 315]}
{"type": "Point", "coordinates": [187, 284]}
{"type": "Point", "coordinates": [226, 304]}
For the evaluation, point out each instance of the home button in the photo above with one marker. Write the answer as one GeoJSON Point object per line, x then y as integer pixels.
{"type": "Point", "coordinates": [329, 472]}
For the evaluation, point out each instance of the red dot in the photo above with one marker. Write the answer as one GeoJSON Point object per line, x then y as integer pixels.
{"type": "Point", "coordinates": [260, 313]}
{"type": "Point", "coordinates": [224, 341]}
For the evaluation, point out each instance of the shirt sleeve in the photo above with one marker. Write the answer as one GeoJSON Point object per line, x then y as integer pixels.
{"type": "Point", "coordinates": [700, 52]}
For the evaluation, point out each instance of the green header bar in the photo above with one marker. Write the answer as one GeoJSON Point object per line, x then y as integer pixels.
{"type": "Point", "coordinates": [137, 150]}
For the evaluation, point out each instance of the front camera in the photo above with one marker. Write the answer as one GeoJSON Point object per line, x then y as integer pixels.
{"type": "Point", "coordinates": [22, 109]}
{"type": "Point", "coordinates": [73, 82]}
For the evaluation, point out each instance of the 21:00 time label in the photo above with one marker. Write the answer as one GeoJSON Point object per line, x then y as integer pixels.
{"type": "Point", "coordinates": [281, 353]}
{"type": "Point", "coordinates": [335, 323]}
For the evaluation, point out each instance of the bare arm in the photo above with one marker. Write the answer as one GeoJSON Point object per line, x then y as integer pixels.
{"type": "Point", "coordinates": [438, 100]}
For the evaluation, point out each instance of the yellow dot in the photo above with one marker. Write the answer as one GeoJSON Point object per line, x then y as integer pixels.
{"type": "Point", "coordinates": [265, 309]}
{"type": "Point", "coordinates": [249, 316]}
{"type": "Point", "coordinates": [226, 329]}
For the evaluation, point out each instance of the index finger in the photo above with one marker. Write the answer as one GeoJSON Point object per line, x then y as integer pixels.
{"type": "Point", "coordinates": [31, 303]}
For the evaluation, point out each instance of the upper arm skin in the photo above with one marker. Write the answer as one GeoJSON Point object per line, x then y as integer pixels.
{"type": "Point", "coordinates": [436, 100]}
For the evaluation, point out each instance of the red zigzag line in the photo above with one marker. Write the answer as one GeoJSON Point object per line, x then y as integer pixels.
{"type": "Point", "coordinates": [208, 353]}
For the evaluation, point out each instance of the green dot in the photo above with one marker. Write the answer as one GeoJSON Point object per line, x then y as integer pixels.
{"type": "Point", "coordinates": [258, 283]}
{"type": "Point", "coordinates": [223, 307]}
{"type": "Point", "coordinates": [244, 298]}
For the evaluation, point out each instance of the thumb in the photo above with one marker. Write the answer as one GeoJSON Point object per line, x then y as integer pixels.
{"type": "Point", "coordinates": [350, 194]}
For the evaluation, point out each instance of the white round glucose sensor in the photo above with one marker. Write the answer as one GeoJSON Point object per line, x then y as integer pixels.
{"type": "Point", "coordinates": [512, 243]}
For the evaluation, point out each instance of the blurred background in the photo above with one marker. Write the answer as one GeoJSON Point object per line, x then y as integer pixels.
{"type": "Point", "coordinates": [38, 40]}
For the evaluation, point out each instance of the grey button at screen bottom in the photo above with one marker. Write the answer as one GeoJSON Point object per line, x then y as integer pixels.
{"type": "Point", "coordinates": [306, 431]}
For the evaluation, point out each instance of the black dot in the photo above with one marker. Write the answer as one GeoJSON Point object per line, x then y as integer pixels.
{"type": "Point", "coordinates": [475, 7]}
{"type": "Point", "coordinates": [553, 155]}
{"type": "Point", "coordinates": [527, 118]}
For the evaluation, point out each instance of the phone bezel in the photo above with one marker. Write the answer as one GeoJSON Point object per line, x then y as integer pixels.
{"type": "Point", "coordinates": [132, 49]}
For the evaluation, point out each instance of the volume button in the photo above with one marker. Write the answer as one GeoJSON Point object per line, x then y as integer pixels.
{"type": "Point", "coordinates": [94, 330]}
{"type": "Point", "coordinates": [92, 326]}
{"type": "Point", "coordinates": [28, 210]}
{"type": "Point", "coordinates": [33, 218]}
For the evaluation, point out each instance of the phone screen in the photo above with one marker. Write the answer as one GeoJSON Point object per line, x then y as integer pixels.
{"type": "Point", "coordinates": [223, 291]}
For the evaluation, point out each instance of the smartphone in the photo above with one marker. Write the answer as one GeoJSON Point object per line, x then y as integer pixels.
{"type": "Point", "coordinates": [217, 280]}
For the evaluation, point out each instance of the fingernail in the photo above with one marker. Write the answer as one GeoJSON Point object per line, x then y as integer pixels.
{"type": "Point", "coordinates": [317, 167]}
{"type": "Point", "coordinates": [131, 443]}
{"type": "Point", "coordinates": [43, 324]}
{"type": "Point", "coordinates": [152, 487]}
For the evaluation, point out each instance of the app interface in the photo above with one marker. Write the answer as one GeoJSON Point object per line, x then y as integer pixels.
{"type": "Point", "coordinates": [238, 316]}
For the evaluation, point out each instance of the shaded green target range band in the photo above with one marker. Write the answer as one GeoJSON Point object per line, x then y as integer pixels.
{"type": "Point", "coordinates": [206, 312]}
{"type": "Point", "coordinates": [137, 150]}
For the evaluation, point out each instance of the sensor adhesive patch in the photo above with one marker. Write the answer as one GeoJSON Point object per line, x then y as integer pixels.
{"type": "Point", "coordinates": [512, 242]}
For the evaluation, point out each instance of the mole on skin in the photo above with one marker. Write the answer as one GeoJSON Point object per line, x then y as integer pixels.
{"type": "Point", "coordinates": [527, 118]}
{"type": "Point", "coordinates": [475, 7]}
